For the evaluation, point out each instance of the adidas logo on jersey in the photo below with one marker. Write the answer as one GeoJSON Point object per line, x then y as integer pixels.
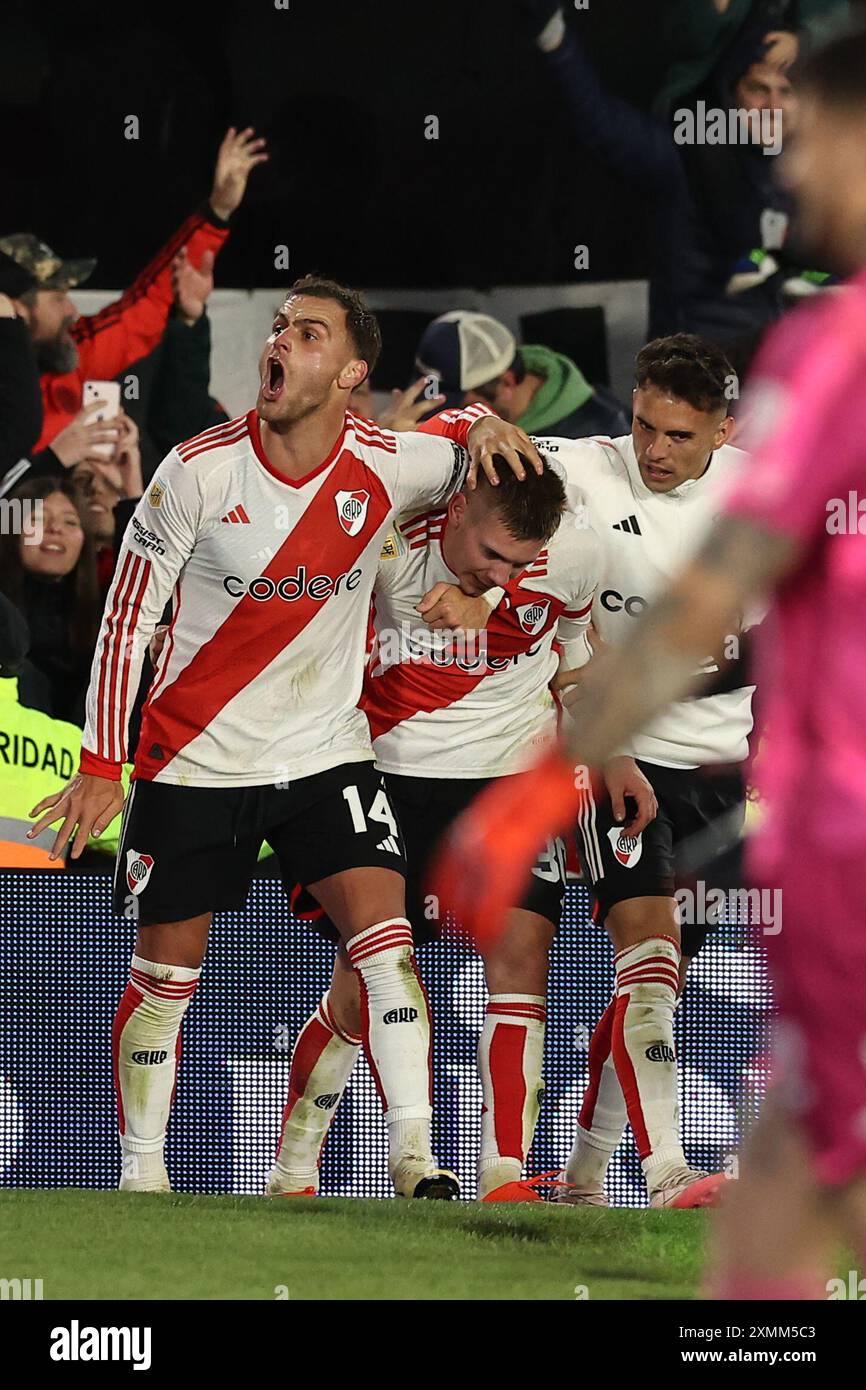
{"type": "Point", "coordinates": [237, 514]}
{"type": "Point", "coordinates": [630, 525]}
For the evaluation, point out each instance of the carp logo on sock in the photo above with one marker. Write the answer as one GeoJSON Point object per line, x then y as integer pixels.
{"type": "Point", "coordinates": [660, 1052]}
{"type": "Point", "coordinates": [404, 1015]}
{"type": "Point", "coordinates": [627, 848]}
{"type": "Point", "coordinates": [150, 1057]}
{"type": "Point", "coordinates": [532, 616]}
{"type": "Point", "coordinates": [352, 510]}
{"type": "Point", "coordinates": [327, 1102]}
{"type": "Point", "coordinates": [138, 870]}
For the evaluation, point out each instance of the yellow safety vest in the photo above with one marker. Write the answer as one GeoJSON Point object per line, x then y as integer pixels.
{"type": "Point", "coordinates": [38, 755]}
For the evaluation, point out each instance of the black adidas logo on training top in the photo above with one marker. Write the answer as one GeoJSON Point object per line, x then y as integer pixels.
{"type": "Point", "coordinates": [630, 524]}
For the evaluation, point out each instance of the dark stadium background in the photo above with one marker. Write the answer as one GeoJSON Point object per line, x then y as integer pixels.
{"type": "Point", "coordinates": [341, 90]}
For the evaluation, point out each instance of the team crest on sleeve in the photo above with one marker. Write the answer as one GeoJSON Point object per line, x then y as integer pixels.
{"type": "Point", "coordinates": [533, 616]}
{"type": "Point", "coordinates": [352, 510]}
{"type": "Point", "coordinates": [138, 869]}
{"type": "Point", "coordinates": [156, 494]}
{"type": "Point", "coordinates": [627, 848]}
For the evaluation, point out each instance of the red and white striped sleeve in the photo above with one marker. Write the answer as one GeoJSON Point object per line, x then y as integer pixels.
{"type": "Point", "coordinates": [432, 461]}
{"type": "Point", "coordinates": [158, 542]}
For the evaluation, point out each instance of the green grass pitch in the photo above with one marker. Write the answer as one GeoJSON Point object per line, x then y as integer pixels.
{"type": "Point", "coordinates": [109, 1245]}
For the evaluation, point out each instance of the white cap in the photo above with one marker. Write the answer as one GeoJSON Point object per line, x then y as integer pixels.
{"type": "Point", "coordinates": [464, 349]}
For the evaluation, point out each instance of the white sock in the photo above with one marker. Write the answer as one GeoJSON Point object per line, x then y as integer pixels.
{"type": "Point", "coordinates": [643, 1050]}
{"type": "Point", "coordinates": [322, 1063]}
{"type": "Point", "coordinates": [396, 1031]}
{"type": "Point", "coordinates": [603, 1116]}
{"type": "Point", "coordinates": [146, 1051]}
{"type": "Point", "coordinates": [510, 1059]}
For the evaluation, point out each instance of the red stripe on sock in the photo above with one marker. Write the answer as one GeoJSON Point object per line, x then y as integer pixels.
{"type": "Point", "coordinates": [599, 1051]}
{"type": "Point", "coordinates": [625, 950]}
{"type": "Point", "coordinates": [129, 1002]}
{"type": "Point", "coordinates": [326, 1014]}
{"type": "Point", "coordinates": [362, 946]}
{"type": "Point", "coordinates": [653, 977]}
{"type": "Point", "coordinates": [379, 947]}
{"type": "Point", "coordinates": [164, 989]}
{"type": "Point", "coordinates": [509, 1087]}
{"type": "Point", "coordinates": [535, 1012]}
{"type": "Point", "coordinates": [628, 1080]}
{"type": "Point", "coordinates": [312, 1041]}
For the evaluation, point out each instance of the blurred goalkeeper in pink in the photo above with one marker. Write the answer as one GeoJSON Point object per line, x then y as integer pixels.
{"type": "Point", "coordinates": [796, 526]}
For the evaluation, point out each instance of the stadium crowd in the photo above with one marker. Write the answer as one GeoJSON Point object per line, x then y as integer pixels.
{"type": "Point", "coordinates": [76, 465]}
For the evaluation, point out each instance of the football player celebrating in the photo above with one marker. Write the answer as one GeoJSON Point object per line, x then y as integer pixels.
{"type": "Point", "coordinates": [652, 496]}
{"type": "Point", "coordinates": [794, 526]}
{"type": "Point", "coordinates": [266, 531]}
{"type": "Point", "coordinates": [447, 714]}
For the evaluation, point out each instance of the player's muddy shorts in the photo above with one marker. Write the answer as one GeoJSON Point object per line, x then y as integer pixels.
{"type": "Point", "coordinates": [189, 850]}
{"type": "Point", "coordinates": [427, 808]}
{"type": "Point", "coordinates": [700, 811]}
{"type": "Point", "coordinates": [818, 969]}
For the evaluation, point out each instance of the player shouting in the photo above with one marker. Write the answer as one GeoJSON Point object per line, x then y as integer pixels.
{"type": "Point", "coordinates": [447, 715]}
{"type": "Point", "coordinates": [266, 532]}
{"type": "Point", "coordinates": [794, 525]}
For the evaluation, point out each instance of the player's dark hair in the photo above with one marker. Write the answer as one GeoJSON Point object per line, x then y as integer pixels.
{"type": "Point", "coordinates": [691, 368]}
{"type": "Point", "coordinates": [836, 72]}
{"type": "Point", "coordinates": [530, 510]}
{"type": "Point", "coordinates": [361, 323]}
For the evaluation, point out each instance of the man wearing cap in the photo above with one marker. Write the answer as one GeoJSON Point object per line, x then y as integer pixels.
{"type": "Point", "coordinates": [476, 358]}
{"type": "Point", "coordinates": [72, 348]}
{"type": "Point", "coordinates": [20, 397]}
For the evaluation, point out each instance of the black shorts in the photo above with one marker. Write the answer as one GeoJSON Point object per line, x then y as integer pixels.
{"type": "Point", "coordinates": [427, 808]}
{"type": "Point", "coordinates": [189, 850]}
{"type": "Point", "coordinates": [699, 820]}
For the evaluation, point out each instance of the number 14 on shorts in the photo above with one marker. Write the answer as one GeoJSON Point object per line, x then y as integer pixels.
{"type": "Point", "coordinates": [380, 811]}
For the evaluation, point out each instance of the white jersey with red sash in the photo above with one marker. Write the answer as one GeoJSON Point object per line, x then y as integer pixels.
{"type": "Point", "coordinates": [271, 580]}
{"type": "Point", "coordinates": [442, 705]}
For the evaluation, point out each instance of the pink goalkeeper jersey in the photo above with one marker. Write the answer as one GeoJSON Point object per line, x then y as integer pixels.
{"type": "Point", "coordinates": [807, 427]}
{"type": "Point", "coordinates": [271, 579]}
